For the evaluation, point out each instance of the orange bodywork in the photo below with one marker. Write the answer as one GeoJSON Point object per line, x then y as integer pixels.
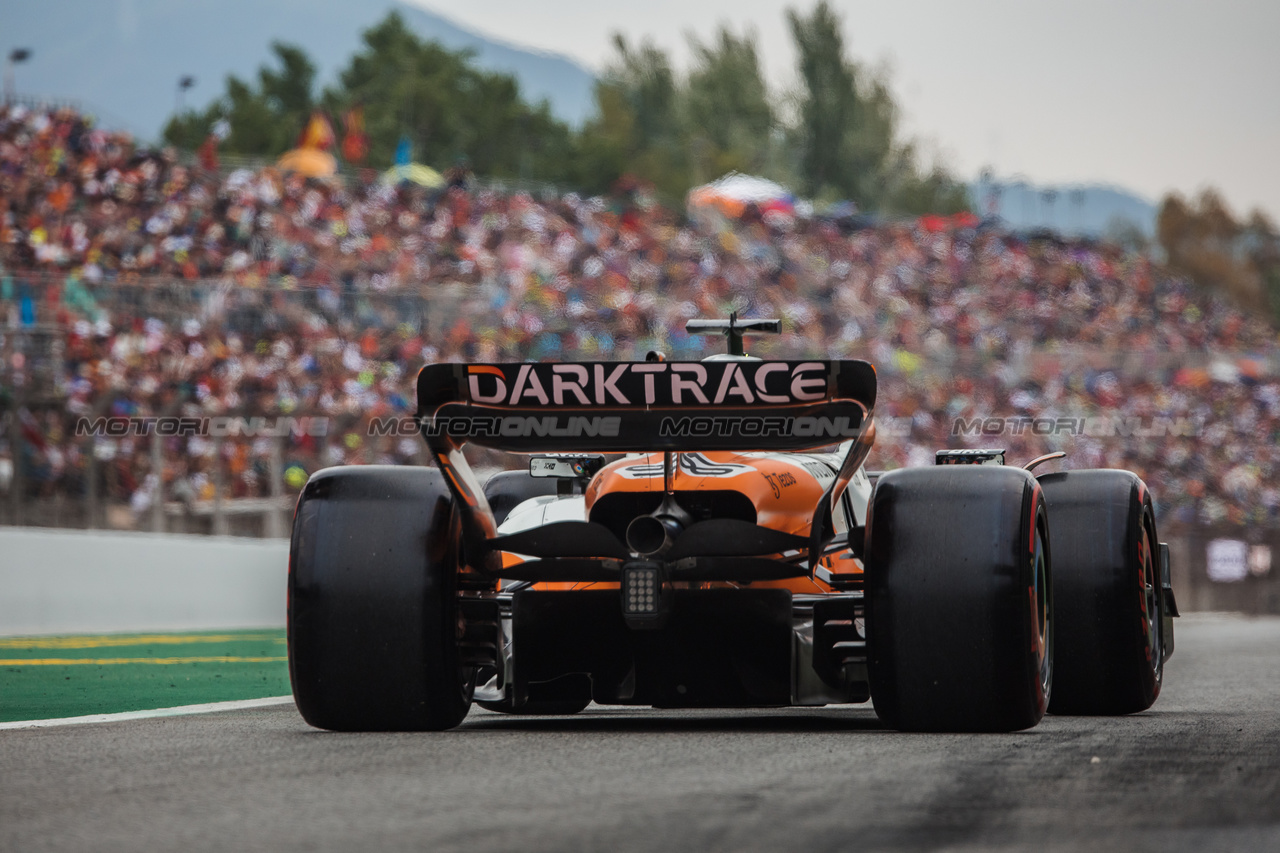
{"type": "Point", "coordinates": [782, 487]}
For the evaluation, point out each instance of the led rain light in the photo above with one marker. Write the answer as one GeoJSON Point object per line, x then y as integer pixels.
{"type": "Point", "coordinates": [641, 590]}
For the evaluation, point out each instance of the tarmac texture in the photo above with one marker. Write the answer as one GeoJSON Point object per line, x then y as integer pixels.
{"type": "Point", "coordinates": [1198, 772]}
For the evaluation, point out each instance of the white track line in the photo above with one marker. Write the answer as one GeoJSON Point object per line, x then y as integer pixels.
{"type": "Point", "coordinates": [180, 711]}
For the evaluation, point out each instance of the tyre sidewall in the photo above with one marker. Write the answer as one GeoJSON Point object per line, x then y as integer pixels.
{"type": "Point", "coordinates": [372, 612]}
{"type": "Point", "coordinates": [952, 633]}
{"type": "Point", "coordinates": [1103, 526]}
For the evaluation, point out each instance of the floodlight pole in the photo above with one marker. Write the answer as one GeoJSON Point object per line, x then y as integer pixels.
{"type": "Point", "coordinates": [184, 83]}
{"type": "Point", "coordinates": [19, 54]}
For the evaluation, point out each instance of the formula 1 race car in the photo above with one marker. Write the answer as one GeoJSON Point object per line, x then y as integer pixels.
{"type": "Point", "coordinates": [730, 558]}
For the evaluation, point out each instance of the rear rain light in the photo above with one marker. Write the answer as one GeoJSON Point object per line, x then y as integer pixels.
{"type": "Point", "coordinates": [641, 590]}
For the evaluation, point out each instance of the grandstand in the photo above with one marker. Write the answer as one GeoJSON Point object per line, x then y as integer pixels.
{"type": "Point", "coordinates": [133, 284]}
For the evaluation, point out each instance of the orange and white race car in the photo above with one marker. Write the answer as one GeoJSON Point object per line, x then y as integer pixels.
{"type": "Point", "coordinates": [735, 554]}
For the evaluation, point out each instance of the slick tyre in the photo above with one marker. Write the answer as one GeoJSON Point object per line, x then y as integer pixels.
{"type": "Point", "coordinates": [959, 606]}
{"type": "Point", "coordinates": [373, 614]}
{"type": "Point", "coordinates": [1107, 589]}
{"type": "Point", "coordinates": [508, 489]}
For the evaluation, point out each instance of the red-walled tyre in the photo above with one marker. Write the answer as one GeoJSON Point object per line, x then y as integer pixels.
{"type": "Point", "coordinates": [959, 599]}
{"type": "Point", "coordinates": [373, 613]}
{"type": "Point", "coordinates": [1107, 587]}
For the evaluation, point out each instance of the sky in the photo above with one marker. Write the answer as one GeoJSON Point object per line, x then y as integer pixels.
{"type": "Point", "coordinates": [1151, 95]}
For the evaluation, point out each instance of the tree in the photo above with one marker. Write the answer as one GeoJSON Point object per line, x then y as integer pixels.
{"type": "Point", "coordinates": [911, 191]}
{"type": "Point", "coordinates": [828, 104]}
{"type": "Point", "coordinates": [265, 118]}
{"type": "Point", "coordinates": [450, 109]}
{"type": "Point", "coordinates": [1203, 240]}
{"type": "Point", "coordinates": [728, 111]}
{"type": "Point", "coordinates": [638, 126]}
{"type": "Point", "coordinates": [606, 144]}
{"type": "Point", "coordinates": [1261, 242]}
{"type": "Point", "coordinates": [847, 128]}
{"type": "Point", "coordinates": [668, 129]}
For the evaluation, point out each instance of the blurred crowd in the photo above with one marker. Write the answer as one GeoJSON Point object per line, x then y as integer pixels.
{"type": "Point", "coordinates": [165, 289]}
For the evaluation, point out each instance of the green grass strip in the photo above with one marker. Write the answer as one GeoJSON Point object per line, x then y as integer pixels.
{"type": "Point", "coordinates": [47, 677]}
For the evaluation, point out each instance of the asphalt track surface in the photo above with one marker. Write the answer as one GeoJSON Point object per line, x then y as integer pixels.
{"type": "Point", "coordinates": [1200, 771]}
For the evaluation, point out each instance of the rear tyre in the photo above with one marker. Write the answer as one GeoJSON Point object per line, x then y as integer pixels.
{"type": "Point", "coordinates": [1109, 657]}
{"type": "Point", "coordinates": [959, 599]}
{"type": "Point", "coordinates": [373, 612]}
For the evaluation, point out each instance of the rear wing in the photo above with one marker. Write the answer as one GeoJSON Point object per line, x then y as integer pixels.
{"type": "Point", "coordinates": [623, 407]}
{"type": "Point", "coordinates": [615, 407]}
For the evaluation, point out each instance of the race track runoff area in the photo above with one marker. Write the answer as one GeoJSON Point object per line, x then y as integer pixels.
{"type": "Point", "coordinates": [47, 677]}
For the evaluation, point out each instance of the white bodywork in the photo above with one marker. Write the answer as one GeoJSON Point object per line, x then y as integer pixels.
{"type": "Point", "coordinates": [547, 509]}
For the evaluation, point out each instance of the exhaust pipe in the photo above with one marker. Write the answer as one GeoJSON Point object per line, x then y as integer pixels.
{"type": "Point", "coordinates": [654, 534]}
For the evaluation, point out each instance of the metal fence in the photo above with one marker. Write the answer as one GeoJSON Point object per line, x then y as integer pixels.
{"type": "Point", "coordinates": [30, 300]}
{"type": "Point", "coordinates": [36, 311]}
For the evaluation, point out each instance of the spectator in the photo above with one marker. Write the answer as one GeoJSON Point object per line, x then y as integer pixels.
{"type": "Point", "coordinates": [182, 291]}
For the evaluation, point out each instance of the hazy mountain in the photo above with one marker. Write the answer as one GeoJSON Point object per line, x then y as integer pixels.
{"type": "Point", "coordinates": [1089, 209]}
{"type": "Point", "coordinates": [123, 58]}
